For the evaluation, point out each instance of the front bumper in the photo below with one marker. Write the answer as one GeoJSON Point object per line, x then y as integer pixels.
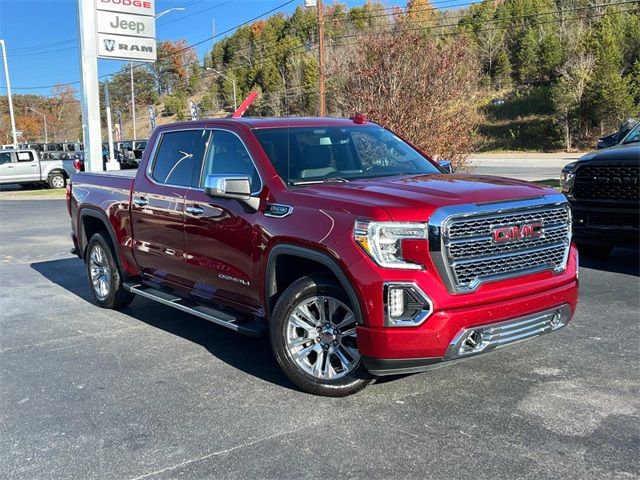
{"type": "Point", "coordinates": [444, 336]}
{"type": "Point", "coordinates": [612, 225]}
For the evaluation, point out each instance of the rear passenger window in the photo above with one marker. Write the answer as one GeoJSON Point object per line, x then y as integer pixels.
{"type": "Point", "coordinates": [25, 157]}
{"type": "Point", "coordinates": [178, 154]}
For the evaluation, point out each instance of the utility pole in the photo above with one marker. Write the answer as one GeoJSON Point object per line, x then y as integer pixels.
{"type": "Point", "coordinates": [133, 102]}
{"type": "Point", "coordinates": [112, 164]}
{"type": "Point", "coordinates": [323, 107]}
{"type": "Point", "coordinates": [46, 136]}
{"type": "Point", "coordinates": [6, 76]}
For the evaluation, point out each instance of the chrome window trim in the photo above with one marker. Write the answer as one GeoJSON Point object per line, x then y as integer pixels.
{"type": "Point", "coordinates": [438, 228]}
{"type": "Point", "coordinates": [211, 130]}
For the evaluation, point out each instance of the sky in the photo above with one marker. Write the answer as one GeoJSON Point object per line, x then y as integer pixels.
{"type": "Point", "coordinates": [42, 35]}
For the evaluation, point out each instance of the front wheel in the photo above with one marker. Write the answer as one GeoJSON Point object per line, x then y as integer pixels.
{"type": "Point", "coordinates": [313, 337]}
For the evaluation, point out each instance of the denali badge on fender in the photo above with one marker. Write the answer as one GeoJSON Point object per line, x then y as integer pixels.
{"type": "Point", "coordinates": [507, 234]}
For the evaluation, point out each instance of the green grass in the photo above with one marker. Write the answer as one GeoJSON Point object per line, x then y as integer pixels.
{"type": "Point", "coordinates": [549, 182]}
{"type": "Point", "coordinates": [45, 193]}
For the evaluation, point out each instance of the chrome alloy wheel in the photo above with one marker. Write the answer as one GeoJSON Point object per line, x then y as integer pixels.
{"type": "Point", "coordinates": [100, 272]}
{"type": "Point", "coordinates": [321, 337]}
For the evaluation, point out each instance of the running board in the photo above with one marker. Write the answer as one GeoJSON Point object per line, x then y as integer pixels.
{"type": "Point", "coordinates": [244, 325]}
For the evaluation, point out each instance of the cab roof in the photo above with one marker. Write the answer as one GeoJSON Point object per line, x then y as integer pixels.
{"type": "Point", "coordinates": [275, 122]}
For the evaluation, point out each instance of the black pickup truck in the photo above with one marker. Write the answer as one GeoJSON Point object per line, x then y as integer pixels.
{"type": "Point", "coordinates": [603, 188]}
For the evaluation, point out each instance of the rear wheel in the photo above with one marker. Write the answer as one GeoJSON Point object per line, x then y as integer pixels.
{"type": "Point", "coordinates": [313, 336]}
{"type": "Point", "coordinates": [57, 180]}
{"type": "Point", "coordinates": [104, 277]}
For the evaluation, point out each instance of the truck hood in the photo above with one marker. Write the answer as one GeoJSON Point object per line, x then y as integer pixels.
{"type": "Point", "coordinates": [402, 197]}
{"type": "Point", "coordinates": [617, 153]}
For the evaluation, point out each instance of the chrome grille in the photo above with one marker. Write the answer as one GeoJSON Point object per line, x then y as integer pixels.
{"type": "Point", "coordinates": [469, 255]}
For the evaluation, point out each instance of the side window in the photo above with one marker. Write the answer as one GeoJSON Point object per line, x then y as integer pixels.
{"type": "Point", "coordinates": [25, 157]}
{"type": "Point", "coordinates": [228, 155]}
{"type": "Point", "coordinates": [179, 152]}
{"type": "Point", "coordinates": [5, 157]}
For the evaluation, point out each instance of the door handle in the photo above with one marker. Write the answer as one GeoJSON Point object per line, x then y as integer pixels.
{"type": "Point", "coordinates": [10, 166]}
{"type": "Point", "coordinates": [195, 210]}
{"type": "Point", "coordinates": [140, 201]}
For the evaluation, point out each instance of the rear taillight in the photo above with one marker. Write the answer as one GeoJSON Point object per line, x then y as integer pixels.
{"type": "Point", "coordinates": [78, 165]}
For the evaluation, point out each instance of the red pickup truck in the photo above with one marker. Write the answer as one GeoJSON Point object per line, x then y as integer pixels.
{"type": "Point", "coordinates": [355, 252]}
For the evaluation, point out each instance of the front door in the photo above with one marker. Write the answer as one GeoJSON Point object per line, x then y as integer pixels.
{"type": "Point", "coordinates": [7, 167]}
{"type": "Point", "coordinates": [220, 234]}
{"type": "Point", "coordinates": [157, 207]}
{"type": "Point", "coordinates": [27, 167]}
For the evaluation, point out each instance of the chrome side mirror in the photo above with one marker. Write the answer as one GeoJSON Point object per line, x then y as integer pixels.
{"type": "Point", "coordinates": [446, 165]}
{"type": "Point", "coordinates": [233, 186]}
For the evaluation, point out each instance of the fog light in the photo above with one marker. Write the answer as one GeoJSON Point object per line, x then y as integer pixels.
{"type": "Point", "coordinates": [396, 302]}
{"type": "Point", "coordinates": [406, 305]}
{"type": "Point", "coordinates": [555, 320]}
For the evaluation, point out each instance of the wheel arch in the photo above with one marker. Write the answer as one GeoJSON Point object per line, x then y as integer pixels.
{"type": "Point", "coordinates": [310, 256]}
{"type": "Point", "coordinates": [90, 222]}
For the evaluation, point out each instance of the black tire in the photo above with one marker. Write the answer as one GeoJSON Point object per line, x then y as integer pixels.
{"type": "Point", "coordinates": [56, 180]}
{"type": "Point", "coordinates": [596, 251]}
{"type": "Point", "coordinates": [352, 379]}
{"type": "Point", "coordinates": [113, 295]}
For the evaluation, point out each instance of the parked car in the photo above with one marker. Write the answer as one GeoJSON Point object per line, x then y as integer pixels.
{"type": "Point", "coordinates": [355, 252]}
{"type": "Point", "coordinates": [619, 136]}
{"type": "Point", "coordinates": [604, 190]}
{"type": "Point", "coordinates": [24, 166]}
{"type": "Point", "coordinates": [131, 152]}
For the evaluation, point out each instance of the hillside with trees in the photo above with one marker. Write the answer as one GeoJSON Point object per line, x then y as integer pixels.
{"type": "Point", "coordinates": [497, 74]}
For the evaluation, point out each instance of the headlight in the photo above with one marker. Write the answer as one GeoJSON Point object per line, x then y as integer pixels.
{"type": "Point", "coordinates": [567, 177]}
{"type": "Point", "coordinates": [383, 241]}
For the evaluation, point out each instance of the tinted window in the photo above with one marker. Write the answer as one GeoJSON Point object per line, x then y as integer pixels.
{"type": "Point", "coordinates": [316, 154]}
{"type": "Point", "coordinates": [177, 155]}
{"type": "Point", "coordinates": [5, 157]}
{"type": "Point", "coordinates": [228, 155]}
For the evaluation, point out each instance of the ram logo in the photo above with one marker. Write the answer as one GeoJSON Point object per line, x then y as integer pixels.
{"type": "Point", "coordinates": [110, 45]}
{"type": "Point", "coordinates": [515, 232]}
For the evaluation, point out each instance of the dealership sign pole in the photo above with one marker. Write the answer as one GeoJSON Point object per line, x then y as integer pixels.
{"type": "Point", "coordinates": [114, 29]}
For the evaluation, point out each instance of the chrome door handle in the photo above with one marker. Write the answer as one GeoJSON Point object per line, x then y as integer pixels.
{"type": "Point", "coordinates": [195, 210]}
{"type": "Point", "coordinates": [140, 201]}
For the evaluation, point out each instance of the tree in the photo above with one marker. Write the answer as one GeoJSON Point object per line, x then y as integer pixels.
{"type": "Point", "coordinates": [569, 92]}
{"type": "Point", "coordinates": [427, 98]}
{"type": "Point", "coordinates": [610, 92]}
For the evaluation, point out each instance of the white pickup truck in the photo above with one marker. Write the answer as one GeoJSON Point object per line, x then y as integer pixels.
{"type": "Point", "coordinates": [24, 166]}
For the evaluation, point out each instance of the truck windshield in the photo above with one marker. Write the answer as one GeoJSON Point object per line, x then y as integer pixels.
{"type": "Point", "coordinates": [305, 155]}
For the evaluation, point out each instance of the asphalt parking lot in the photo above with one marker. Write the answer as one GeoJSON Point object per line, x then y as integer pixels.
{"type": "Point", "coordinates": [150, 392]}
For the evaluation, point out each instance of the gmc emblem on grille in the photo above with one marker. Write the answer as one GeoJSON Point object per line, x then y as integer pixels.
{"type": "Point", "coordinates": [528, 230]}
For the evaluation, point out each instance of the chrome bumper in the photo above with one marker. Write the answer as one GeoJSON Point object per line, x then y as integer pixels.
{"type": "Point", "coordinates": [484, 338]}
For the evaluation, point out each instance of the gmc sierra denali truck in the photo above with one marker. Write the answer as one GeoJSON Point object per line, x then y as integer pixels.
{"type": "Point", "coordinates": [356, 253]}
{"type": "Point", "coordinates": [603, 188]}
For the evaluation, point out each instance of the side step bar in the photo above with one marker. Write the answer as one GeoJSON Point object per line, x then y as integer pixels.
{"type": "Point", "coordinates": [244, 325]}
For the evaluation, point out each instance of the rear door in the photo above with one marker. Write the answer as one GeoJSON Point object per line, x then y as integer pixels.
{"type": "Point", "coordinates": [157, 207]}
{"type": "Point", "coordinates": [220, 234]}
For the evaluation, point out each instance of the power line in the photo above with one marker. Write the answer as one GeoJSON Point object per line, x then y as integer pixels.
{"type": "Point", "coordinates": [172, 53]}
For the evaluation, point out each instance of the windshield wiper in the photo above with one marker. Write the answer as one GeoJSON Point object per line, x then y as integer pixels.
{"type": "Point", "coordinates": [323, 180]}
